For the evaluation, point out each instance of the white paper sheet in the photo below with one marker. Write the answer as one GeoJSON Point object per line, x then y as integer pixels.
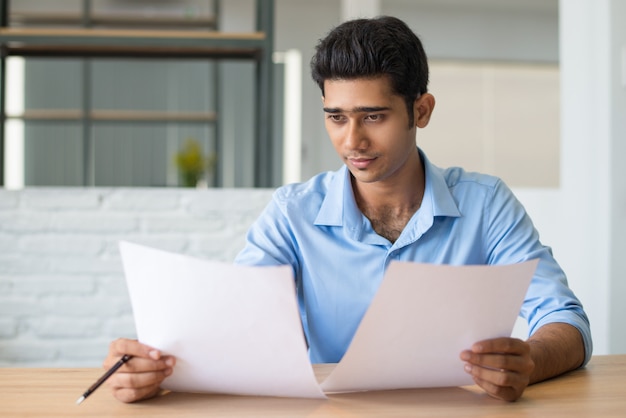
{"type": "Point", "coordinates": [237, 329]}
{"type": "Point", "coordinates": [420, 320]}
{"type": "Point", "coordinates": [233, 329]}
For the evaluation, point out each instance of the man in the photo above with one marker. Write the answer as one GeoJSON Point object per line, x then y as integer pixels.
{"type": "Point", "coordinates": [340, 230]}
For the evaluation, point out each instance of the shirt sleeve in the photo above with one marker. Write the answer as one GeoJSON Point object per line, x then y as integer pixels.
{"type": "Point", "coordinates": [512, 238]}
{"type": "Point", "coordinates": [269, 240]}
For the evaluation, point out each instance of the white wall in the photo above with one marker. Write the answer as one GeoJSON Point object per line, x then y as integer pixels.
{"type": "Point", "coordinates": [501, 30]}
{"type": "Point", "coordinates": [585, 219]}
{"type": "Point", "coordinates": [63, 296]}
{"type": "Point", "coordinates": [617, 59]}
{"type": "Point", "coordinates": [497, 118]}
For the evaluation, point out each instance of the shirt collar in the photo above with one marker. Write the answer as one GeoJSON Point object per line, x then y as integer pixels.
{"type": "Point", "coordinates": [338, 200]}
{"type": "Point", "coordinates": [339, 206]}
{"type": "Point", "coordinates": [437, 193]}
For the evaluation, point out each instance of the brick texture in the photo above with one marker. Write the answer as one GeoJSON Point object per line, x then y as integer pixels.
{"type": "Point", "coordinates": [63, 296]}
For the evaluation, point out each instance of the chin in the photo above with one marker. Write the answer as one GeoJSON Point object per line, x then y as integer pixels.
{"type": "Point", "coordinates": [364, 177]}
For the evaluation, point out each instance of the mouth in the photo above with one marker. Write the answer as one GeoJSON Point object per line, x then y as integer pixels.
{"type": "Point", "coordinates": [361, 162]}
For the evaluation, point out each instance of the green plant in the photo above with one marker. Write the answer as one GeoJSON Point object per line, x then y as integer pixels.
{"type": "Point", "coordinates": [192, 163]}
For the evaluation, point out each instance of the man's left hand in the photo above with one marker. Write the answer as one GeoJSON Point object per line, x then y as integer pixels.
{"type": "Point", "coordinates": [501, 366]}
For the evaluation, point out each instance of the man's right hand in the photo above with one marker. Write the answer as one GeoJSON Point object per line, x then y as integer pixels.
{"type": "Point", "coordinates": [141, 376]}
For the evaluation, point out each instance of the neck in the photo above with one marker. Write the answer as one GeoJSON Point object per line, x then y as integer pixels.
{"type": "Point", "coordinates": [389, 205]}
{"type": "Point", "coordinates": [402, 192]}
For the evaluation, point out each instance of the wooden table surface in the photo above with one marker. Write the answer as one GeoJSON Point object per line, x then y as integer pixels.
{"type": "Point", "coordinates": [599, 390]}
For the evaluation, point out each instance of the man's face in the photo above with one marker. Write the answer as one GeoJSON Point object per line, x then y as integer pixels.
{"type": "Point", "coordinates": [368, 126]}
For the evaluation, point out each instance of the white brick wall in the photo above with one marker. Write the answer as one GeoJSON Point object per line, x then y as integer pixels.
{"type": "Point", "coordinates": [63, 297]}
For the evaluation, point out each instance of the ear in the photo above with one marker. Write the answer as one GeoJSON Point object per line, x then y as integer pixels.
{"type": "Point", "coordinates": [422, 109]}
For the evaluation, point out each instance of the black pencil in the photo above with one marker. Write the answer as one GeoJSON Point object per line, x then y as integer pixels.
{"type": "Point", "coordinates": [104, 377]}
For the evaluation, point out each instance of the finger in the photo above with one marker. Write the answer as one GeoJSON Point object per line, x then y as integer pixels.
{"type": "Point", "coordinates": [499, 383]}
{"type": "Point", "coordinates": [123, 346]}
{"type": "Point", "coordinates": [507, 393]}
{"type": "Point", "coordinates": [498, 377]}
{"type": "Point", "coordinates": [139, 380]}
{"type": "Point", "coordinates": [128, 395]}
{"type": "Point", "coordinates": [142, 365]}
{"type": "Point", "coordinates": [134, 348]}
{"type": "Point", "coordinates": [499, 362]}
{"type": "Point", "coordinates": [135, 394]}
{"type": "Point", "coordinates": [130, 387]}
{"type": "Point", "coordinates": [502, 345]}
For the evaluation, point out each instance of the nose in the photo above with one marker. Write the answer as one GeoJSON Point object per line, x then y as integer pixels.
{"type": "Point", "coordinates": [355, 138]}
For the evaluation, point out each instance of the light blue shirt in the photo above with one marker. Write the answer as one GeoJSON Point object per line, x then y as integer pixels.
{"type": "Point", "coordinates": [339, 260]}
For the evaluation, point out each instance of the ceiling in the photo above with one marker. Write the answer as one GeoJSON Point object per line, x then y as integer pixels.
{"type": "Point", "coordinates": [525, 6]}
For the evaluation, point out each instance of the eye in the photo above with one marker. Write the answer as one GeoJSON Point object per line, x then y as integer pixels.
{"type": "Point", "coordinates": [376, 117]}
{"type": "Point", "coordinates": [334, 117]}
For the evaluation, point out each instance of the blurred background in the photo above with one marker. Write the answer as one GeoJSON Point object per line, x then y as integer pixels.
{"type": "Point", "coordinates": [178, 146]}
{"type": "Point", "coordinates": [494, 66]}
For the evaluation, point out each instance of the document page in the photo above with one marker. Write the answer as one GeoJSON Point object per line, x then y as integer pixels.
{"type": "Point", "coordinates": [420, 320]}
{"type": "Point", "coordinates": [237, 329]}
{"type": "Point", "coordinates": [232, 329]}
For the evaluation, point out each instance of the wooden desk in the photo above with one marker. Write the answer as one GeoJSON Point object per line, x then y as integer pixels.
{"type": "Point", "coordinates": [597, 391]}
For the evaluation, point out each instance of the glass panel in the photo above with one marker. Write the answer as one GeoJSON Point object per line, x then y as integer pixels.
{"type": "Point", "coordinates": [180, 85]}
{"type": "Point", "coordinates": [53, 154]}
{"type": "Point", "coordinates": [53, 83]}
{"type": "Point", "coordinates": [144, 154]}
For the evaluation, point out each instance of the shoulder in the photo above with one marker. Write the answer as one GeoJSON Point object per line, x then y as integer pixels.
{"type": "Point", "coordinates": [317, 185]}
{"type": "Point", "coordinates": [461, 182]}
{"type": "Point", "coordinates": [456, 180]}
{"type": "Point", "coordinates": [471, 191]}
{"type": "Point", "coordinates": [308, 195]}
{"type": "Point", "coordinates": [459, 177]}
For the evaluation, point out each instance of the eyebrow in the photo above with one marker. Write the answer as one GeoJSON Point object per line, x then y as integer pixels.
{"type": "Point", "coordinates": [359, 109]}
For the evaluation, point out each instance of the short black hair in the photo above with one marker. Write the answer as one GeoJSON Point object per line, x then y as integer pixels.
{"type": "Point", "coordinates": [370, 48]}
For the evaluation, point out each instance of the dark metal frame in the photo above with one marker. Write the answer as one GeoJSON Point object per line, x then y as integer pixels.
{"type": "Point", "coordinates": [146, 44]}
